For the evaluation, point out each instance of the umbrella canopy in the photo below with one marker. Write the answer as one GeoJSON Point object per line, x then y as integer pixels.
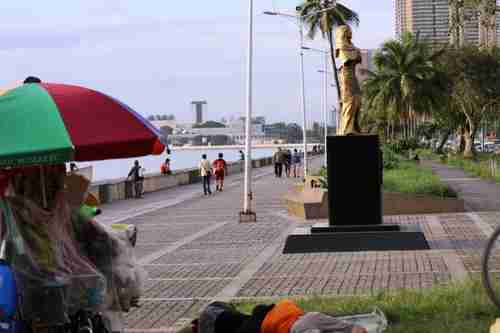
{"type": "Point", "coordinates": [55, 123]}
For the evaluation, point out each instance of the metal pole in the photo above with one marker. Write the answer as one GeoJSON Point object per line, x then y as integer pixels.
{"type": "Point", "coordinates": [248, 126]}
{"type": "Point", "coordinates": [325, 106]}
{"type": "Point", "coordinates": [302, 91]}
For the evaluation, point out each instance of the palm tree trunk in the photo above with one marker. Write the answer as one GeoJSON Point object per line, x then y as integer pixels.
{"type": "Point", "coordinates": [334, 67]}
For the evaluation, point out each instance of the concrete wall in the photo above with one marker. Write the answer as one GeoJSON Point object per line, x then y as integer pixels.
{"type": "Point", "coordinates": [408, 204]}
{"type": "Point", "coordinates": [121, 189]}
{"type": "Point", "coordinates": [312, 203]}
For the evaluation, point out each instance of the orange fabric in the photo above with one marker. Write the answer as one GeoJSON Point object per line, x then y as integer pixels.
{"type": "Point", "coordinates": [281, 318]}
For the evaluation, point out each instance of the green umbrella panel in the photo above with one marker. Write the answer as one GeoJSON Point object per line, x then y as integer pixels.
{"type": "Point", "coordinates": [32, 131]}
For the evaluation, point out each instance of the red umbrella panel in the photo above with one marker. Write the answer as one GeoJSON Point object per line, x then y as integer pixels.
{"type": "Point", "coordinates": [55, 123]}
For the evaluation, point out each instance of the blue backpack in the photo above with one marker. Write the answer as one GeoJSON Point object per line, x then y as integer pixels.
{"type": "Point", "coordinates": [8, 298]}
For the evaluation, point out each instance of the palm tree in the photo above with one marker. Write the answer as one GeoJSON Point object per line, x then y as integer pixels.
{"type": "Point", "coordinates": [325, 22]}
{"type": "Point", "coordinates": [405, 82]}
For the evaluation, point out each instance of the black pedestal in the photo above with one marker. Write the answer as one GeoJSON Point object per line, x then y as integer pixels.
{"type": "Point", "coordinates": [356, 238]}
{"type": "Point", "coordinates": [354, 180]}
{"type": "Point", "coordinates": [355, 204]}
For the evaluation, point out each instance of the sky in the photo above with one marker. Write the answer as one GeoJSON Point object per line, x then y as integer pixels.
{"type": "Point", "coordinates": [158, 56]}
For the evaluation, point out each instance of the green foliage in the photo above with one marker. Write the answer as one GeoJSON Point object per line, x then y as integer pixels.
{"type": "Point", "coordinates": [427, 154]}
{"type": "Point", "coordinates": [473, 76]}
{"type": "Point", "coordinates": [457, 308]}
{"type": "Point", "coordinates": [404, 82]}
{"type": "Point", "coordinates": [390, 158]}
{"type": "Point", "coordinates": [480, 166]}
{"type": "Point", "coordinates": [413, 179]}
{"type": "Point", "coordinates": [402, 146]}
{"type": "Point", "coordinates": [405, 177]}
{"type": "Point", "coordinates": [323, 174]}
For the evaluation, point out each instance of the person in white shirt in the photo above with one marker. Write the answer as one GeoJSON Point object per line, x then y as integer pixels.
{"type": "Point", "coordinates": [206, 174]}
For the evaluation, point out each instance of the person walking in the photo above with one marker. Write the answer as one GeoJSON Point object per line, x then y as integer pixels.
{"type": "Point", "coordinates": [242, 161]}
{"type": "Point", "coordinates": [288, 162]}
{"type": "Point", "coordinates": [296, 163]}
{"type": "Point", "coordinates": [165, 167]}
{"type": "Point", "coordinates": [137, 176]}
{"type": "Point", "coordinates": [206, 174]}
{"type": "Point", "coordinates": [220, 170]}
{"type": "Point", "coordinates": [278, 160]}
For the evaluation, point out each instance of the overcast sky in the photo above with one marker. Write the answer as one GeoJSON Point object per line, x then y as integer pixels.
{"type": "Point", "coordinates": [157, 56]}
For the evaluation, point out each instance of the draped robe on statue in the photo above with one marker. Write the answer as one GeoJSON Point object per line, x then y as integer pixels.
{"type": "Point", "coordinates": [349, 56]}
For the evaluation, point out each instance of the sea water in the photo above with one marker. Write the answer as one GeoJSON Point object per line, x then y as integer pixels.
{"type": "Point", "coordinates": [179, 160]}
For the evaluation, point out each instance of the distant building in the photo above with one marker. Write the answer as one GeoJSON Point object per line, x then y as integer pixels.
{"type": "Point", "coordinates": [198, 111]}
{"type": "Point", "coordinates": [431, 18]}
{"type": "Point", "coordinates": [366, 64]}
{"type": "Point", "coordinates": [234, 131]}
{"type": "Point", "coordinates": [166, 127]}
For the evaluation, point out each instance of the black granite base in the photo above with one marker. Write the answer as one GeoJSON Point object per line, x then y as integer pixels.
{"type": "Point", "coordinates": [322, 238]}
{"type": "Point", "coordinates": [354, 180]}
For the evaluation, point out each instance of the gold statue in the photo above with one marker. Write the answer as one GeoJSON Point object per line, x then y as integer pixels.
{"type": "Point", "coordinates": [349, 56]}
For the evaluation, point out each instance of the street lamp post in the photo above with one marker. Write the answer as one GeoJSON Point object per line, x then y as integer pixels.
{"type": "Point", "coordinates": [247, 214]}
{"type": "Point", "coordinates": [324, 94]}
{"type": "Point", "coordinates": [303, 92]}
{"type": "Point", "coordinates": [302, 101]}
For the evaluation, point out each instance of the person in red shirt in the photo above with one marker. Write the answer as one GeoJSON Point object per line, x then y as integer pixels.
{"type": "Point", "coordinates": [220, 167]}
{"type": "Point", "coordinates": [165, 168]}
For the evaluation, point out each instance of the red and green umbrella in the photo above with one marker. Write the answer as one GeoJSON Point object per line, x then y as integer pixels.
{"type": "Point", "coordinates": [55, 123]}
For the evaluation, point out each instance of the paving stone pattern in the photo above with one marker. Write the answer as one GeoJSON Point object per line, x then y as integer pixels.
{"type": "Point", "coordinates": [186, 272]}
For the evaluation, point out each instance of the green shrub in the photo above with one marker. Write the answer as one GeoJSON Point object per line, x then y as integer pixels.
{"type": "Point", "coordinates": [410, 178]}
{"type": "Point", "coordinates": [479, 167]}
{"type": "Point", "coordinates": [402, 146]}
{"type": "Point", "coordinates": [427, 154]}
{"type": "Point", "coordinates": [390, 158]}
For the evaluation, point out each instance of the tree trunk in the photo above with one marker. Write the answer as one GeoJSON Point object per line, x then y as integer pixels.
{"type": "Point", "coordinates": [444, 138]}
{"type": "Point", "coordinates": [460, 139]}
{"type": "Point", "coordinates": [469, 134]}
{"type": "Point", "coordinates": [334, 68]}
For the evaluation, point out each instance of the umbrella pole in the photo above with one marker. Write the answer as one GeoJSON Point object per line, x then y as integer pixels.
{"type": "Point", "coordinates": [44, 193]}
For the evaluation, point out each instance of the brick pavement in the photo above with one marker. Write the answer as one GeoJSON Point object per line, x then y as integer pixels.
{"type": "Point", "coordinates": [195, 251]}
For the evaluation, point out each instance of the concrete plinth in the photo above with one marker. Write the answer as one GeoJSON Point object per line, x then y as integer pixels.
{"type": "Point", "coordinates": [248, 217]}
{"type": "Point", "coordinates": [323, 238]}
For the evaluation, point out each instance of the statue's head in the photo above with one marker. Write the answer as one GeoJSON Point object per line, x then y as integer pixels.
{"type": "Point", "coordinates": [343, 39]}
{"type": "Point", "coordinates": [344, 36]}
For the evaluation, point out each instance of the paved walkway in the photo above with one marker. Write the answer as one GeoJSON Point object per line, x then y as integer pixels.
{"type": "Point", "coordinates": [478, 194]}
{"type": "Point", "coordinates": [195, 251]}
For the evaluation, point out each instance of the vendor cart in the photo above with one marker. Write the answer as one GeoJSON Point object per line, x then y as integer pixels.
{"type": "Point", "coordinates": [60, 270]}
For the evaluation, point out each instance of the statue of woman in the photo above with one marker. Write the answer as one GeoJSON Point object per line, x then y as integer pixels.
{"type": "Point", "coordinates": [350, 57]}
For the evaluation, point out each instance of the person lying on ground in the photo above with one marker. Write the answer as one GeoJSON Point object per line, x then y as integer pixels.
{"type": "Point", "coordinates": [283, 317]}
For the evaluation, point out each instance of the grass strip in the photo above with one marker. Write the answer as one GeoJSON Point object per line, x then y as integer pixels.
{"type": "Point", "coordinates": [455, 308]}
{"type": "Point", "coordinates": [410, 178]}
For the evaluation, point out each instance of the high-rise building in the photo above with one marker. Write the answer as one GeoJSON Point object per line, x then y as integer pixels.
{"type": "Point", "coordinates": [431, 19]}
{"type": "Point", "coordinates": [198, 111]}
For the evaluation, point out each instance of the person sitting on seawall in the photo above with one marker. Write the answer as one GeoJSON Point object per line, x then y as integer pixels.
{"type": "Point", "coordinates": [165, 167]}
{"type": "Point", "coordinates": [283, 317]}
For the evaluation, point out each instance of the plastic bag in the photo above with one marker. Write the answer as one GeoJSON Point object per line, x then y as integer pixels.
{"type": "Point", "coordinates": [55, 280]}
